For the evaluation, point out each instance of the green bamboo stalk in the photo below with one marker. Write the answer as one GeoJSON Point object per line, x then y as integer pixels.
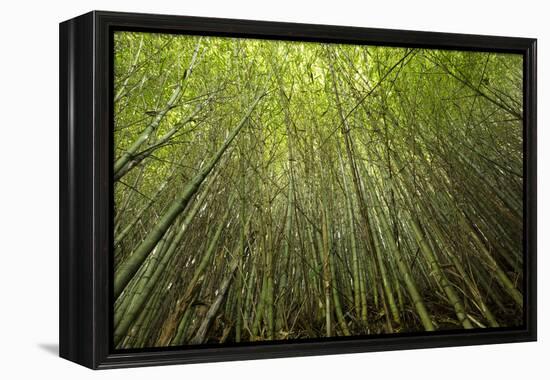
{"type": "Point", "coordinates": [440, 276]}
{"type": "Point", "coordinates": [128, 269]}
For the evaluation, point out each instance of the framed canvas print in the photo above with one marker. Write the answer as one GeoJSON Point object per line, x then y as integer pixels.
{"type": "Point", "coordinates": [237, 189]}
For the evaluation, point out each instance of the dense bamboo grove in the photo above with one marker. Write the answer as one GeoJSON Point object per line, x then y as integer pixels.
{"type": "Point", "coordinates": [272, 190]}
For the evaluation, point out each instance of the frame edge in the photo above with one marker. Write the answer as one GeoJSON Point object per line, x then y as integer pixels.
{"type": "Point", "coordinates": [76, 99]}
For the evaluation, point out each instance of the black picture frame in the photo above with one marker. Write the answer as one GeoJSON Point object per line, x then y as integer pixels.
{"type": "Point", "coordinates": [86, 187]}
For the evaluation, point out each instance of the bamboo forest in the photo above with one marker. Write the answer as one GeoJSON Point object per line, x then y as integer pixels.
{"type": "Point", "coordinates": [272, 190]}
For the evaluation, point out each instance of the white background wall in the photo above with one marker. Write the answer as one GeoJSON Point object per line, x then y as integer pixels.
{"type": "Point", "coordinates": [29, 187]}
